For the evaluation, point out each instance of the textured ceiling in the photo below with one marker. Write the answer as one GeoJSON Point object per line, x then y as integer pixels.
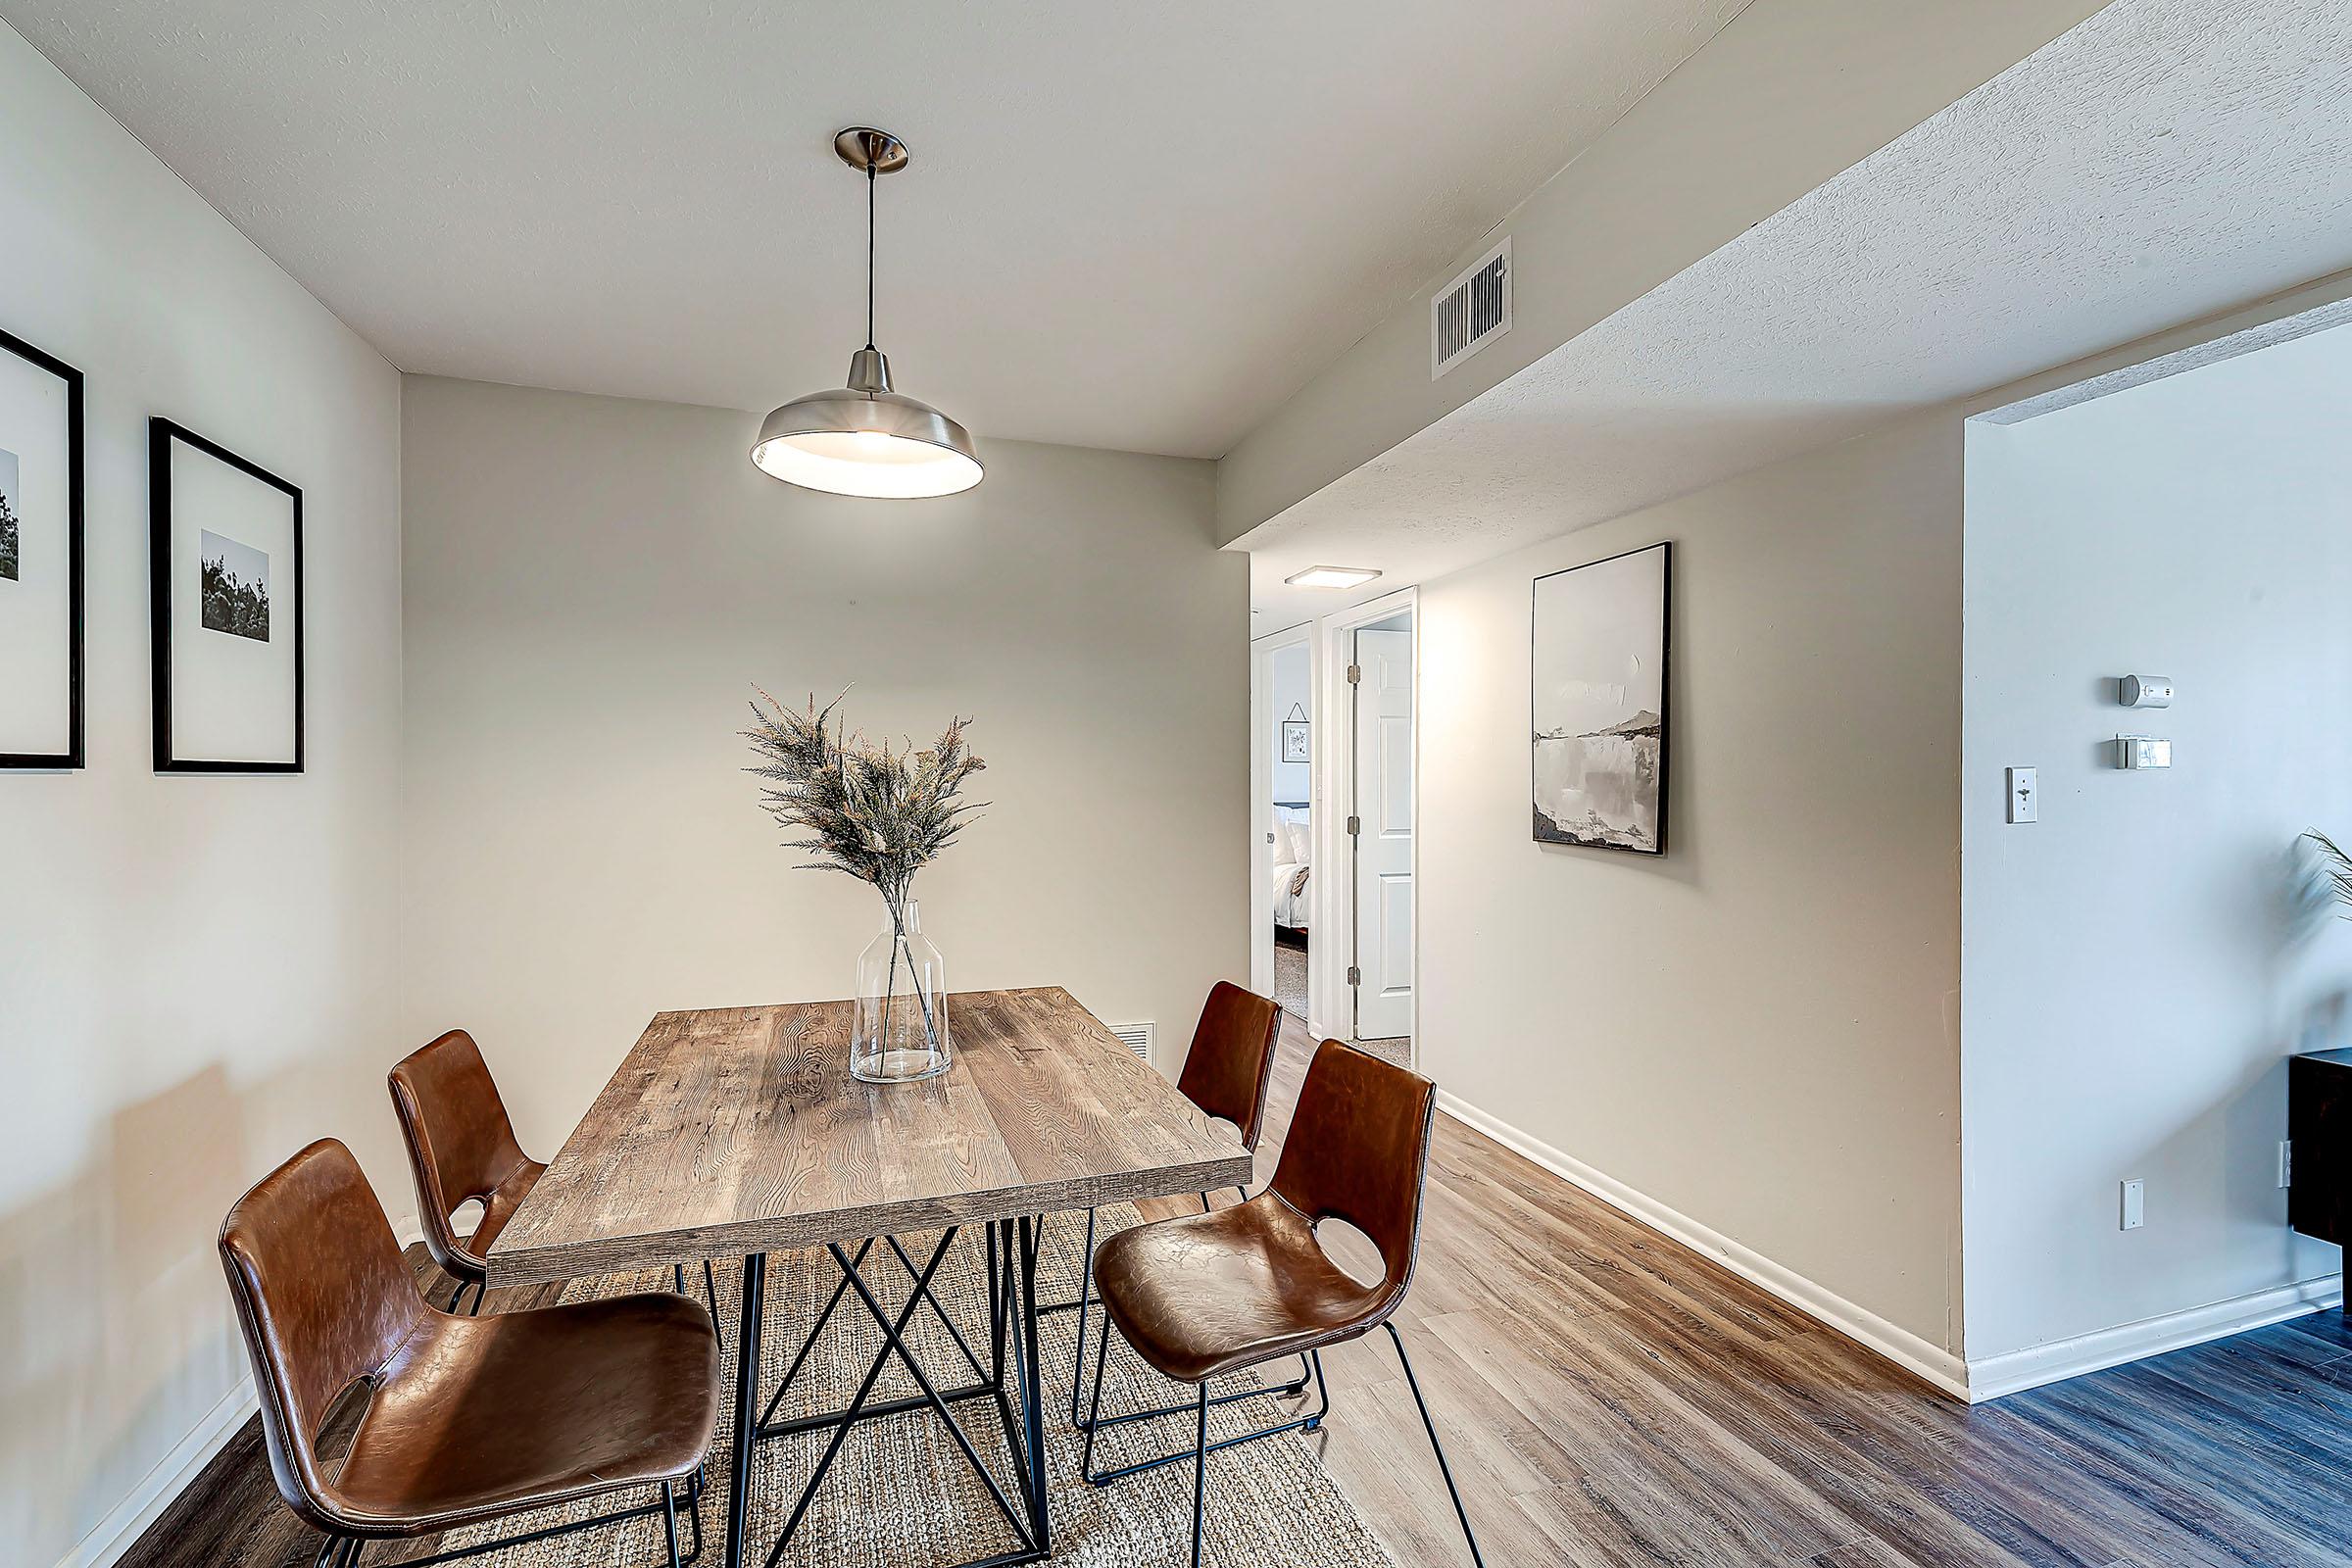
{"type": "Point", "coordinates": [1126, 226]}
{"type": "Point", "coordinates": [2163, 161]}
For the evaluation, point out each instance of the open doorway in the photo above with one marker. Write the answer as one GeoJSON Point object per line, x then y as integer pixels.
{"type": "Point", "coordinates": [1368, 909]}
{"type": "Point", "coordinates": [1283, 744]}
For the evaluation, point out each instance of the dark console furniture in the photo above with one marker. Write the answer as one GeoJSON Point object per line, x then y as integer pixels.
{"type": "Point", "coordinates": [2319, 1119]}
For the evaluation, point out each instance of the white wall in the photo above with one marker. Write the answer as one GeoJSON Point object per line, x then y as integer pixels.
{"type": "Point", "coordinates": [2131, 987]}
{"type": "Point", "coordinates": [1290, 681]}
{"type": "Point", "coordinates": [1754, 1032]}
{"type": "Point", "coordinates": [592, 588]}
{"type": "Point", "coordinates": [196, 974]}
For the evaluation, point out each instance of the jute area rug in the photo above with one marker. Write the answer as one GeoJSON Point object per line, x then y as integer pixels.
{"type": "Point", "coordinates": [901, 1494]}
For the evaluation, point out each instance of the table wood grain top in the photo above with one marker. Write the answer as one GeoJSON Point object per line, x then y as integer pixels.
{"type": "Point", "coordinates": [733, 1130]}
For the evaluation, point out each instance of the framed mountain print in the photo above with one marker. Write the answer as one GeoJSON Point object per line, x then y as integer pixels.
{"type": "Point", "coordinates": [224, 564]}
{"type": "Point", "coordinates": [1599, 691]}
{"type": "Point", "coordinates": [40, 558]}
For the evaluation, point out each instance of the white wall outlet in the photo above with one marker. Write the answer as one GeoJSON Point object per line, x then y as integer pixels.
{"type": "Point", "coordinates": [2286, 1162]}
{"type": "Point", "coordinates": [2025, 795]}
{"type": "Point", "coordinates": [2135, 1193]}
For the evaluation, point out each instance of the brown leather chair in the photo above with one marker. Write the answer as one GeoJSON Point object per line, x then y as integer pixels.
{"type": "Point", "coordinates": [1232, 1059]}
{"type": "Point", "coordinates": [467, 1419]}
{"type": "Point", "coordinates": [1205, 1294]}
{"type": "Point", "coordinates": [462, 1148]}
{"type": "Point", "coordinates": [1226, 1072]}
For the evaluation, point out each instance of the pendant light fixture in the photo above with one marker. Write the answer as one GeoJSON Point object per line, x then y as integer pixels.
{"type": "Point", "coordinates": [864, 439]}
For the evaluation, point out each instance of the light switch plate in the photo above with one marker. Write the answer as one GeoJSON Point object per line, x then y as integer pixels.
{"type": "Point", "coordinates": [2025, 795]}
{"type": "Point", "coordinates": [2136, 1213]}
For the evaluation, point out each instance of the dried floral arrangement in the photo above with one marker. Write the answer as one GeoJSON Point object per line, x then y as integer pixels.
{"type": "Point", "coordinates": [867, 811]}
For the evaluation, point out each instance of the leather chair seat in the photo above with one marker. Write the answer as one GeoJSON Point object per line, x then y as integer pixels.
{"type": "Point", "coordinates": [476, 1417]}
{"type": "Point", "coordinates": [498, 1208]}
{"type": "Point", "coordinates": [1202, 1294]}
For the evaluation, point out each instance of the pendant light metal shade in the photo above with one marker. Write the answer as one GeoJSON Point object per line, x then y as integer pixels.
{"type": "Point", "coordinates": [863, 439]}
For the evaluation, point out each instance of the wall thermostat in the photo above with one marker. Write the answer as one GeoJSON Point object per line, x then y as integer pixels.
{"type": "Point", "coordinates": [2137, 752]}
{"type": "Point", "coordinates": [2144, 691]}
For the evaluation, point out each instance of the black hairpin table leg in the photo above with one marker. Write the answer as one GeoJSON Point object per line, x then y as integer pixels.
{"type": "Point", "coordinates": [747, 1402]}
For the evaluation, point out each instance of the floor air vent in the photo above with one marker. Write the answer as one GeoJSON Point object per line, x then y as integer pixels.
{"type": "Point", "coordinates": [1472, 310]}
{"type": "Point", "coordinates": [1136, 1037]}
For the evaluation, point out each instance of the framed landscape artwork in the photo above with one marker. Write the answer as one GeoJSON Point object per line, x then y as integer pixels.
{"type": "Point", "coordinates": [1599, 697]}
{"type": "Point", "coordinates": [40, 558]}
{"type": "Point", "coordinates": [225, 556]}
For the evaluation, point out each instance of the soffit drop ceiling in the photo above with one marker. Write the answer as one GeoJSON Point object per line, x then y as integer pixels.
{"type": "Point", "coordinates": [2164, 161]}
{"type": "Point", "coordinates": [1135, 226]}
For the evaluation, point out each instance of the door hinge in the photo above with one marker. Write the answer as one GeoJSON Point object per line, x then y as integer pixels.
{"type": "Point", "coordinates": [1356, 825]}
{"type": "Point", "coordinates": [1355, 976]}
{"type": "Point", "coordinates": [1356, 675]}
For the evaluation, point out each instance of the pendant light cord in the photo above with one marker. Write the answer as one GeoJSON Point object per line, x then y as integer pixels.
{"type": "Point", "coordinates": [869, 255]}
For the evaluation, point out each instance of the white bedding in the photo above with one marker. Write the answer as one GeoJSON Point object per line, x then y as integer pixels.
{"type": "Point", "coordinates": [1292, 849]}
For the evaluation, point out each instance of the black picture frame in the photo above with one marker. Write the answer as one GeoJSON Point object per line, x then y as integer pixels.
{"type": "Point", "coordinates": [161, 434]}
{"type": "Point", "coordinates": [73, 756]}
{"type": "Point", "coordinates": [1296, 730]}
{"type": "Point", "coordinates": [1665, 702]}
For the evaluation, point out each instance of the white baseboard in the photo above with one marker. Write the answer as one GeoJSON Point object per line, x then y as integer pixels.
{"type": "Point", "coordinates": [121, 1528]}
{"type": "Point", "coordinates": [129, 1519]}
{"type": "Point", "coordinates": [1898, 1345]}
{"type": "Point", "coordinates": [1996, 1375]}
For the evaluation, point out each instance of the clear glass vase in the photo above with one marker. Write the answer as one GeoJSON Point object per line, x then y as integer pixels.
{"type": "Point", "coordinates": [901, 1029]}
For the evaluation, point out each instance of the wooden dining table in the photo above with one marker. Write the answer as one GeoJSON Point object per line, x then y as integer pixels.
{"type": "Point", "coordinates": [731, 1133]}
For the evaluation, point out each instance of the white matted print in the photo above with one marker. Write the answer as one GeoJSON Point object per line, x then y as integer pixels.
{"type": "Point", "coordinates": [1599, 699]}
{"type": "Point", "coordinates": [227, 546]}
{"type": "Point", "coordinates": [40, 558]}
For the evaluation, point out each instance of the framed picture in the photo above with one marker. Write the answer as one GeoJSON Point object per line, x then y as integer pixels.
{"type": "Point", "coordinates": [1294, 736]}
{"type": "Point", "coordinates": [1598, 700]}
{"type": "Point", "coordinates": [225, 564]}
{"type": "Point", "coordinates": [40, 558]}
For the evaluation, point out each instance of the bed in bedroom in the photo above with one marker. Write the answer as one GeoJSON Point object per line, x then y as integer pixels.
{"type": "Point", "coordinates": [1294, 854]}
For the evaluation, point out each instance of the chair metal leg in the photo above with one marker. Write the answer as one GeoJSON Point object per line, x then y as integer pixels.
{"type": "Point", "coordinates": [1199, 1473]}
{"type": "Point", "coordinates": [711, 1294]}
{"type": "Point", "coordinates": [343, 1552]}
{"type": "Point", "coordinates": [1094, 1421]}
{"type": "Point", "coordinates": [1308, 1370]}
{"type": "Point", "coordinates": [1086, 1286]}
{"type": "Point", "coordinates": [1444, 1469]}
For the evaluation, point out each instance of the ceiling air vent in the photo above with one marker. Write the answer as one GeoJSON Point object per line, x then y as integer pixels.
{"type": "Point", "coordinates": [1136, 1037]}
{"type": "Point", "coordinates": [1472, 310]}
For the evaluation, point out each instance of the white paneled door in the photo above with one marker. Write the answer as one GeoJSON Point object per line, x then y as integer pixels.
{"type": "Point", "coordinates": [1384, 840]}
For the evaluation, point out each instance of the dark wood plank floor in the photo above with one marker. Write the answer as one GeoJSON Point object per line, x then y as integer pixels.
{"type": "Point", "coordinates": [1611, 1400]}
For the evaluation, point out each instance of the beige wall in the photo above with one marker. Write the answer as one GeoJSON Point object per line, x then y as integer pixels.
{"type": "Point", "coordinates": [1756, 1030]}
{"type": "Point", "coordinates": [196, 974]}
{"type": "Point", "coordinates": [592, 588]}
